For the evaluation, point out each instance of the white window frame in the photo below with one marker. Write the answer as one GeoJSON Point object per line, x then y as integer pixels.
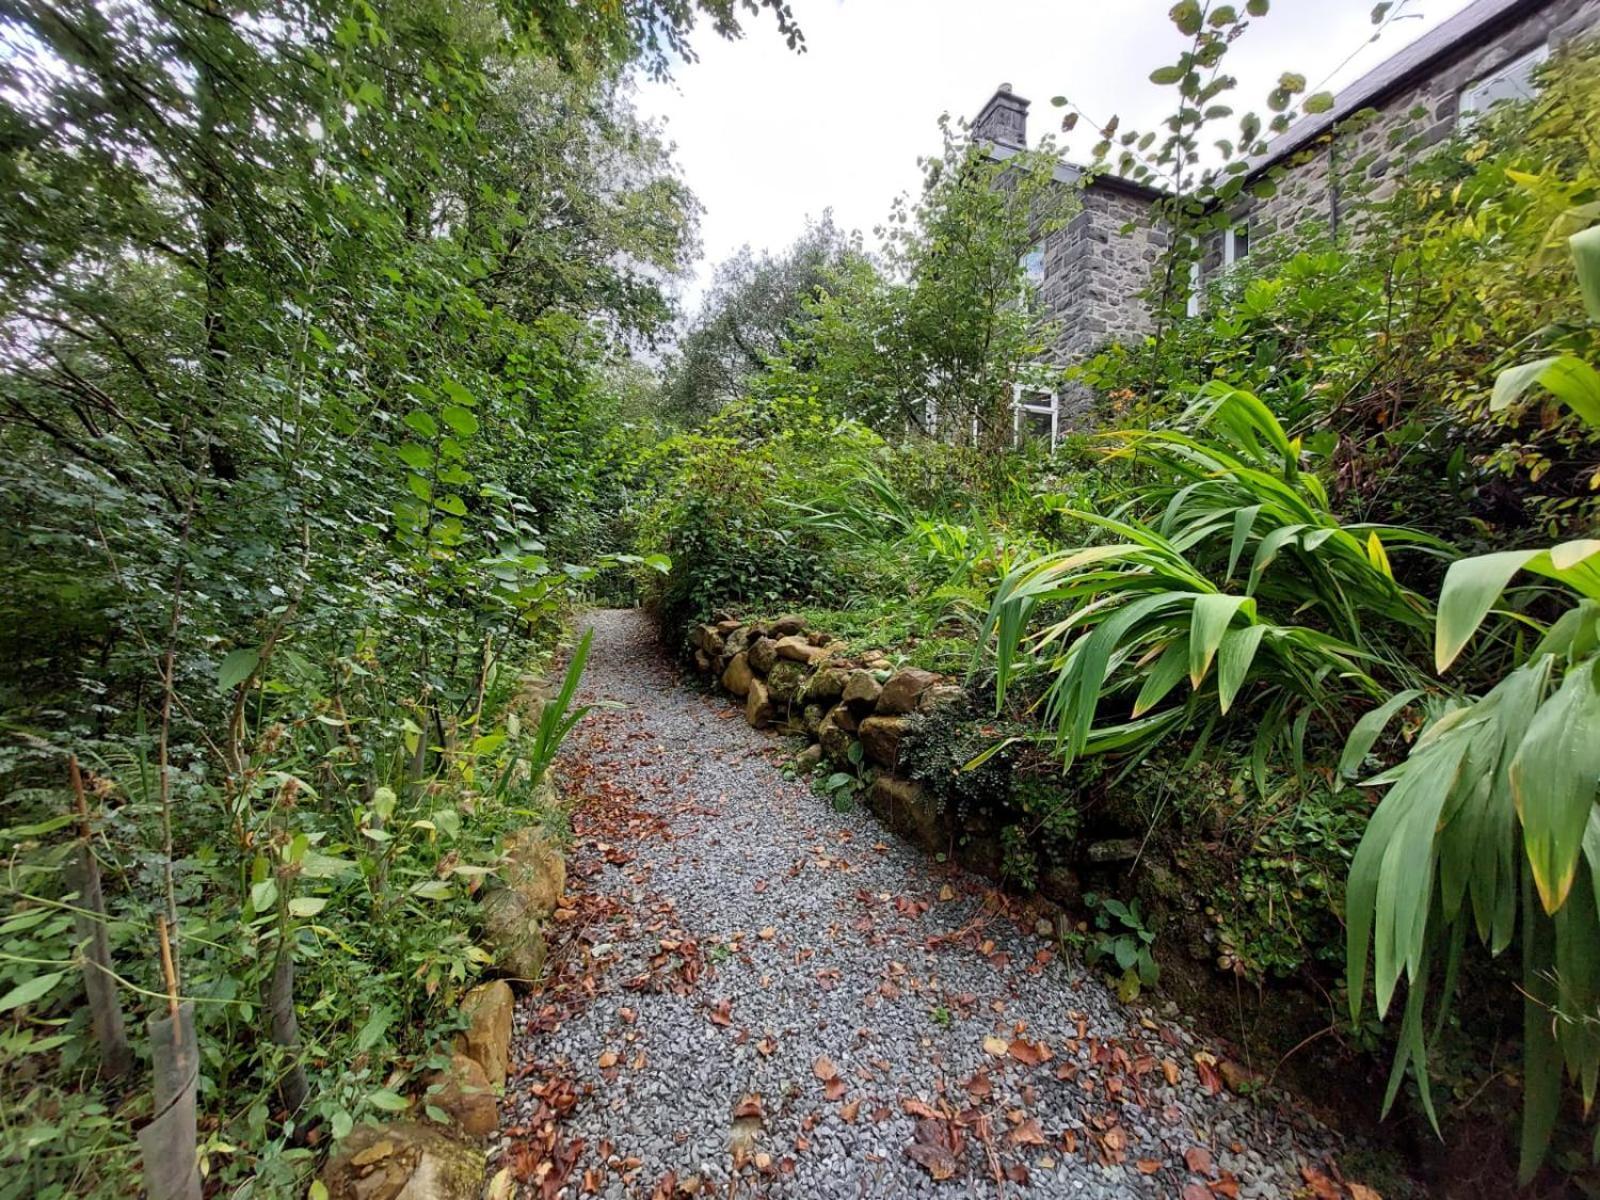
{"type": "Point", "coordinates": [1230, 243]}
{"type": "Point", "coordinates": [1519, 71]}
{"type": "Point", "coordinates": [1037, 402]}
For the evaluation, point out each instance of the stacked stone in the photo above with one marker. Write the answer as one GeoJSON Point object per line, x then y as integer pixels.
{"type": "Point", "coordinates": [805, 683]}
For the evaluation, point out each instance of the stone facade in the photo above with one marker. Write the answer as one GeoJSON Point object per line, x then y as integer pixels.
{"type": "Point", "coordinates": [1096, 268]}
{"type": "Point", "coordinates": [1322, 170]}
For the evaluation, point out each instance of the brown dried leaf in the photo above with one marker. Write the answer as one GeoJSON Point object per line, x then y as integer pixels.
{"type": "Point", "coordinates": [1028, 1133]}
{"type": "Point", "coordinates": [935, 1160]}
{"type": "Point", "coordinates": [1198, 1160]}
{"type": "Point", "coordinates": [750, 1106]}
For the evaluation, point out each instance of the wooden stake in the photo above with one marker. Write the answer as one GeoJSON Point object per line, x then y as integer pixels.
{"type": "Point", "coordinates": [166, 966]}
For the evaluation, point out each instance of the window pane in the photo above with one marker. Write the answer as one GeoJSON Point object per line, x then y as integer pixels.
{"type": "Point", "coordinates": [1514, 81]}
{"type": "Point", "coordinates": [1033, 265]}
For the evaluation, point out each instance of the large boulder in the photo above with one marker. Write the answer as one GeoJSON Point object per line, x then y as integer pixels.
{"type": "Point", "coordinates": [785, 681]}
{"type": "Point", "coordinates": [763, 653]}
{"type": "Point", "coordinates": [727, 625]}
{"type": "Point", "coordinates": [796, 649]}
{"type": "Point", "coordinates": [787, 626]}
{"type": "Point", "coordinates": [758, 710]}
{"type": "Point", "coordinates": [880, 738]}
{"type": "Point", "coordinates": [738, 675]}
{"type": "Point", "coordinates": [904, 689]}
{"type": "Point", "coordinates": [906, 808]}
{"type": "Point", "coordinates": [462, 1091]}
{"type": "Point", "coordinates": [486, 1040]}
{"type": "Point", "coordinates": [403, 1161]}
{"type": "Point", "coordinates": [826, 686]}
{"type": "Point", "coordinates": [806, 761]}
{"type": "Point", "coordinates": [861, 690]}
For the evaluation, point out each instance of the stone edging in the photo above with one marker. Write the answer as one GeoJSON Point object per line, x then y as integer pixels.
{"type": "Point", "coordinates": [806, 683]}
{"type": "Point", "coordinates": [444, 1161]}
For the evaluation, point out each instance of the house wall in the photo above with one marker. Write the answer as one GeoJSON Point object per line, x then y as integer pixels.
{"type": "Point", "coordinates": [1367, 154]}
{"type": "Point", "coordinates": [1094, 273]}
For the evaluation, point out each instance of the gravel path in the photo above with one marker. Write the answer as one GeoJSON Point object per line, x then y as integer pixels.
{"type": "Point", "coordinates": [755, 995]}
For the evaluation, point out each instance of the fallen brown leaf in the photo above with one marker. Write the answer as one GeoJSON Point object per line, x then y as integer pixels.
{"type": "Point", "coordinates": [1198, 1160]}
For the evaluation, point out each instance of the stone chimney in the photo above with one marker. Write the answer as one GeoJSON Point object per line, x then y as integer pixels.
{"type": "Point", "coordinates": [1004, 120]}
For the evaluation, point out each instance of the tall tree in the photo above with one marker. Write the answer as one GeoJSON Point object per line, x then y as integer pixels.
{"type": "Point", "coordinates": [932, 337]}
{"type": "Point", "coordinates": [756, 304]}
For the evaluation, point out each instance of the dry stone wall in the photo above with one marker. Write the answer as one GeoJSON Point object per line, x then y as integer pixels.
{"type": "Point", "coordinates": [803, 681]}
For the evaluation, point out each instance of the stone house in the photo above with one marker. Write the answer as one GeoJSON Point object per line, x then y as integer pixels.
{"type": "Point", "coordinates": [1090, 275]}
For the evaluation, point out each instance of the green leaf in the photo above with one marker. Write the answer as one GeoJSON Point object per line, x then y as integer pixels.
{"type": "Point", "coordinates": [462, 422]}
{"type": "Point", "coordinates": [1472, 585]}
{"type": "Point", "coordinates": [422, 423]}
{"type": "Point", "coordinates": [1234, 656]}
{"type": "Point", "coordinates": [1553, 782]}
{"type": "Point", "coordinates": [263, 895]}
{"type": "Point", "coordinates": [1257, 8]}
{"type": "Point", "coordinates": [1164, 76]}
{"type": "Point", "coordinates": [1187, 16]}
{"type": "Point", "coordinates": [1163, 677]}
{"type": "Point", "coordinates": [375, 1026]}
{"type": "Point", "coordinates": [432, 889]}
{"type": "Point", "coordinates": [1366, 731]}
{"type": "Point", "coordinates": [1586, 257]}
{"type": "Point", "coordinates": [30, 990]}
{"type": "Point", "coordinates": [459, 394]}
{"type": "Point", "coordinates": [387, 1101]}
{"type": "Point", "coordinates": [306, 906]}
{"type": "Point", "coordinates": [417, 457]}
{"type": "Point", "coordinates": [1209, 621]}
{"type": "Point", "coordinates": [316, 865]}
{"type": "Point", "coordinates": [237, 667]}
{"type": "Point", "coordinates": [1321, 102]}
{"type": "Point", "coordinates": [1568, 378]}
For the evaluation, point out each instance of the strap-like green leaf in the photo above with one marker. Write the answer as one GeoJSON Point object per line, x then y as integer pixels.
{"type": "Point", "coordinates": [1368, 728]}
{"type": "Point", "coordinates": [1586, 258]}
{"type": "Point", "coordinates": [1553, 782]}
{"type": "Point", "coordinates": [1237, 652]}
{"type": "Point", "coordinates": [1471, 586]}
{"type": "Point", "coordinates": [1208, 622]}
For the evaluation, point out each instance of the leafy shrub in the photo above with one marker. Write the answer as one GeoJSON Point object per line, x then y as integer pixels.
{"type": "Point", "coordinates": [1491, 823]}
{"type": "Point", "coordinates": [724, 504]}
{"type": "Point", "coordinates": [1127, 621]}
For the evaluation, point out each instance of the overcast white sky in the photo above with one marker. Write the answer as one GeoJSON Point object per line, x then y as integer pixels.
{"type": "Point", "coordinates": [767, 137]}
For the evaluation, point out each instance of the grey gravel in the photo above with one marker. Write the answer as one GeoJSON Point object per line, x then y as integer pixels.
{"type": "Point", "coordinates": [865, 966]}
